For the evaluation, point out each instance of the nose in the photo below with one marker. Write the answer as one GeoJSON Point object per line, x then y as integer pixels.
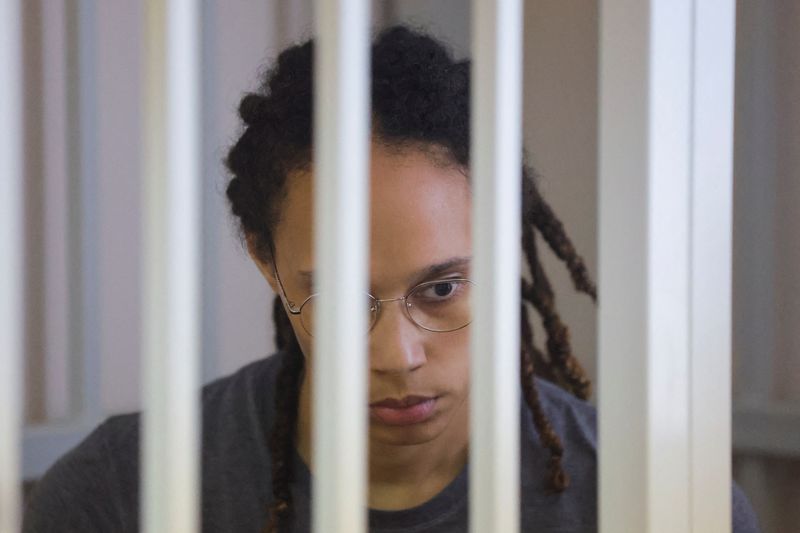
{"type": "Point", "coordinates": [395, 343]}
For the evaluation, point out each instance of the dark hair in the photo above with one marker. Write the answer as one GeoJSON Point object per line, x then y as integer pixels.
{"type": "Point", "coordinates": [420, 98]}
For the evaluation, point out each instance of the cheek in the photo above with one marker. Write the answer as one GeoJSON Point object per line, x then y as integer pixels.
{"type": "Point", "coordinates": [448, 353]}
{"type": "Point", "coordinates": [305, 340]}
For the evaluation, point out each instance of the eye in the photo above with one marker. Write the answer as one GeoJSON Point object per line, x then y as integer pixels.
{"type": "Point", "coordinates": [439, 291]}
{"type": "Point", "coordinates": [443, 289]}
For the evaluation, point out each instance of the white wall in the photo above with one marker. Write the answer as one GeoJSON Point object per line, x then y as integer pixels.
{"type": "Point", "coordinates": [560, 128]}
{"type": "Point", "coordinates": [237, 325]}
{"type": "Point", "coordinates": [120, 95]}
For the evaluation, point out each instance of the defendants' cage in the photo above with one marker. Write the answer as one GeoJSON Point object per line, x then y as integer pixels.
{"type": "Point", "coordinates": [665, 217]}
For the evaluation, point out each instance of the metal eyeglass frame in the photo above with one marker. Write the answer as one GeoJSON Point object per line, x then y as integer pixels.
{"type": "Point", "coordinates": [297, 310]}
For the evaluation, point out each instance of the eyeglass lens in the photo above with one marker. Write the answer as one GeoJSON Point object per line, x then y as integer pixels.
{"type": "Point", "coordinates": [442, 305]}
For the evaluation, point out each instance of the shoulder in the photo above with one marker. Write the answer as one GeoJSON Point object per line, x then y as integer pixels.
{"type": "Point", "coordinates": [238, 411]}
{"type": "Point", "coordinates": [245, 382]}
{"type": "Point", "coordinates": [243, 391]}
{"type": "Point", "coordinates": [573, 419]}
{"type": "Point", "coordinates": [82, 490]}
{"type": "Point", "coordinates": [744, 518]}
{"type": "Point", "coordinates": [94, 487]}
{"type": "Point", "coordinates": [574, 422]}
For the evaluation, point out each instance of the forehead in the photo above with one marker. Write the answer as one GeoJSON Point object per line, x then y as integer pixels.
{"type": "Point", "coordinates": [419, 215]}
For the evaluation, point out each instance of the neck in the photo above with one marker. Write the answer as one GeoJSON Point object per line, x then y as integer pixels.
{"type": "Point", "coordinates": [400, 476]}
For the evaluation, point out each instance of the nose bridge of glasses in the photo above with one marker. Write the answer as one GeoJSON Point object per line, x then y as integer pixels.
{"type": "Point", "coordinates": [377, 303]}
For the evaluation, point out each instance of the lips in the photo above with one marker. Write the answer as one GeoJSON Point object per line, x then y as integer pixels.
{"type": "Point", "coordinates": [404, 411]}
{"type": "Point", "coordinates": [407, 401]}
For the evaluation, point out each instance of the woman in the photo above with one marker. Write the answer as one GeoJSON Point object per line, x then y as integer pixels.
{"type": "Point", "coordinates": [257, 457]}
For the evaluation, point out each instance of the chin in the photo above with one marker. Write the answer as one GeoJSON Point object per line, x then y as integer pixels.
{"type": "Point", "coordinates": [406, 435]}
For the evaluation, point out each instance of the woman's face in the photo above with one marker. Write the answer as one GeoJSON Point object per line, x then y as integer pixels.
{"type": "Point", "coordinates": [419, 220]}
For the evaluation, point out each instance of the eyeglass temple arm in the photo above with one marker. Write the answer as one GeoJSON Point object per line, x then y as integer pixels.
{"type": "Point", "coordinates": [286, 303]}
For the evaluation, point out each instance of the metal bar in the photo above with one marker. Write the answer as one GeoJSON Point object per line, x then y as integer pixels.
{"type": "Point", "coordinates": [644, 266]}
{"type": "Point", "coordinates": [711, 264]}
{"type": "Point", "coordinates": [496, 167]}
{"type": "Point", "coordinates": [341, 150]}
{"type": "Point", "coordinates": [665, 200]}
{"type": "Point", "coordinates": [172, 268]}
{"type": "Point", "coordinates": [11, 251]}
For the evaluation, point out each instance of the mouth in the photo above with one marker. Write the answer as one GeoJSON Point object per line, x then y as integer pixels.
{"type": "Point", "coordinates": [404, 411]}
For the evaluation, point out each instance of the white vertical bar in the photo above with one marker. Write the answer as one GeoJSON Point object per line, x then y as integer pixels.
{"type": "Point", "coordinates": [153, 268]}
{"type": "Point", "coordinates": [496, 167]}
{"type": "Point", "coordinates": [712, 222]}
{"type": "Point", "coordinates": [644, 265]}
{"type": "Point", "coordinates": [11, 252]}
{"type": "Point", "coordinates": [665, 315]}
{"type": "Point", "coordinates": [341, 149]}
{"type": "Point", "coordinates": [172, 262]}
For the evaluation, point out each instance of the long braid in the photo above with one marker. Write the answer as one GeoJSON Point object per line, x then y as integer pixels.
{"type": "Point", "coordinates": [532, 361]}
{"type": "Point", "coordinates": [541, 215]}
{"type": "Point", "coordinates": [540, 363]}
{"type": "Point", "coordinates": [558, 480]}
{"type": "Point", "coordinates": [561, 367]}
{"type": "Point", "coordinates": [281, 439]}
{"type": "Point", "coordinates": [540, 294]}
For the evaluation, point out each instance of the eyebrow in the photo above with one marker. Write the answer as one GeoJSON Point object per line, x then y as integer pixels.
{"type": "Point", "coordinates": [423, 274]}
{"type": "Point", "coordinates": [431, 271]}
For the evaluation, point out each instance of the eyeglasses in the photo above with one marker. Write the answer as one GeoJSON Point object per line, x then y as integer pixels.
{"type": "Point", "coordinates": [439, 306]}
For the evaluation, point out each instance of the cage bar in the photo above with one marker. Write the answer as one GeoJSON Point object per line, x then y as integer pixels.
{"type": "Point", "coordinates": [644, 266]}
{"type": "Point", "coordinates": [11, 273]}
{"type": "Point", "coordinates": [172, 261]}
{"type": "Point", "coordinates": [712, 257]}
{"type": "Point", "coordinates": [496, 173]}
{"type": "Point", "coordinates": [341, 150]}
{"type": "Point", "coordinates": [664, 158]}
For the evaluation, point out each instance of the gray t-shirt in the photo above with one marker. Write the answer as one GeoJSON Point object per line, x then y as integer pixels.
{"type": "Point", "coordinates": [94, 488]}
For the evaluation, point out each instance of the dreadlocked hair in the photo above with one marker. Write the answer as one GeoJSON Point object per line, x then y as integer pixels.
{"type": "Point", "coordinates": [421, 100]}
{"type": "Point", "coordinates": [281, 440]}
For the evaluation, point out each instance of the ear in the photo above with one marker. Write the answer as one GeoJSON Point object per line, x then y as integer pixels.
{"type": "Point", "coordinates": [265, 267]}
